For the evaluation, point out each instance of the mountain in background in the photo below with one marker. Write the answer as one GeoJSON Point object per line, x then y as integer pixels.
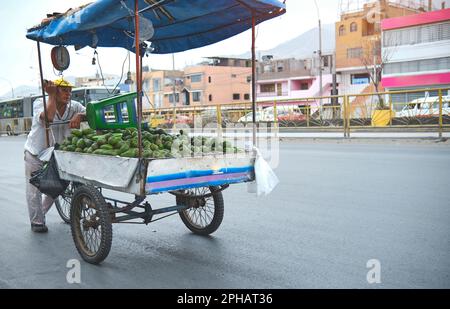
{"type": "Point", "coordinates": [302, 46]}
{"type": "Point", "coordinates": [26, 90]}
{"type": "Point", "coordinates": [20, 91]}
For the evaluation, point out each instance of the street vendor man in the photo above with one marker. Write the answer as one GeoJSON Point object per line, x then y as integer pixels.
{"type": "Point", "coordinates": [59, 108]}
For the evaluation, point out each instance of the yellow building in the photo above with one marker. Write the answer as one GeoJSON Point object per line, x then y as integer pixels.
{"type": "Point", "coordinates": [162, 88]}
{"type": "Point", "coordinates": [358, 37]}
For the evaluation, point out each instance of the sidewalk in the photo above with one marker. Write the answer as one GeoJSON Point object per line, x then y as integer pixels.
{"type": "Point", "coordinates": [325, 135]}
{"type": "Point", "coordinates": [334, 135]}
{"type": "Point", "coordinates": [409, 135]}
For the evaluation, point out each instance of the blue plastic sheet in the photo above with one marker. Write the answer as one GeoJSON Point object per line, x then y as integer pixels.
{"type": "Point", "coordinates": [174, 25]}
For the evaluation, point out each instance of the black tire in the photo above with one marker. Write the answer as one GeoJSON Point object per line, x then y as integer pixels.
{"type": "Point", "coordinates": [91, 226]}
{"type": "Point", "coordinates": [204, 215]}
{"type": "Point", "coordinates": [63, 203]}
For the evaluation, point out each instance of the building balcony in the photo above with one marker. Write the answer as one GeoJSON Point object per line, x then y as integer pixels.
{"type": "Point", "coordinates": [272, 94]}
{"type": "Point", "coordinates": [283, 75]}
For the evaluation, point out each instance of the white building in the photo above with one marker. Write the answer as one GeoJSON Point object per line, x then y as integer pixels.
{"type": "Point", "coordinates": [417, 53]}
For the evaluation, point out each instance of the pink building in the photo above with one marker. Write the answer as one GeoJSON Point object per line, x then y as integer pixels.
{"type": "Point", "coordinates": [222, 80]}
{"type": "Point", "coordinates": [292, 79]}
{"type": "Point", "coordinates": [417, 51]}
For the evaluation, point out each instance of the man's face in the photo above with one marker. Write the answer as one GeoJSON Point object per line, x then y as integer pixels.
{"type": "Point", "coordinates": [63, 94]}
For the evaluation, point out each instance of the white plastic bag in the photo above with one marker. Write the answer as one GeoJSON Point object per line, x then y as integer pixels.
{"type": "Point", "coordinates": [266, 180]}
{"type": "Point", "coordinates": [46, 154]}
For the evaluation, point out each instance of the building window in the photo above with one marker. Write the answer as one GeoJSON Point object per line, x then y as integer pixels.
{"type": "Point", "coordinates": [341, 30]}
{"type": "Point", "coordinates": [247, 96]}
{"type": "Point", "coordinates": [304, 86]}
{"type": "Point", "coordinates": [360, 79]}
{"type": "Point", "coordinates": [146, 85]}
{"type": "Point", "coordinates": [177, 98]}
{"type": "Point", "coordinates": [233, 75]}
{"type": "Point", "coordinates": [325, 60]}
{"type": "Point", "coordinates": [168, 82]}
{"type": "Point", "coordinates": [268, 88]}
{"type": "Point", "coordinates": [156, 84]}
{"type": "Point", "coordinates": [157, 100]}
{"type": "Point", "coordinates": [417, 35]}
{"type": "Point", "coordinates": [353, 27]}
{"type": "Point", "coordinates": [423, 65]}
{"type": "Point", "coordinates": [376, 48]}
{"type": "Point", "coordinates": [210, 98]}
{"type": "Point", "coordinates": [236, 96]}
{"type": "Point", "coordinates": [209, 79]}
{"type": "Point", "coordinates": [197, 78]}
{"type": "Point", "coordinates": [353, 53]}
{"type": "Point", "coordinates": [196, 96]}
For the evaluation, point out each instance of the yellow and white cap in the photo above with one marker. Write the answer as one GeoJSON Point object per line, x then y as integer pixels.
{"type": "Point", "coordinates": [61, 82]}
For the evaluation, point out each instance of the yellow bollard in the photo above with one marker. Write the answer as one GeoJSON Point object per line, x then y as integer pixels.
{"type": "Point", "coordinates": [308, 113]}
{"type": "Point", "coordinates": [174, 118]}
{"type": "Point", "coordinates": [390, 109]}
{"type": "Point", "coordinates": [347, 117]}
{"type": "Point", "coordinates": [275, 114]}
{"type": "Point", "coordinates": [219, 120]}
{"type": "Point", "coordinates": [440, 114]}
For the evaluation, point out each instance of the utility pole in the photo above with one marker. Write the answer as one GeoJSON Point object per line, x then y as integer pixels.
{"type": "Point", "coordinates": [320, 59]}
{"type": "Point", "coordinates": [375, 75]}
{"type": "Point", "coordinates": [254, 78]}
{"type": "Point", "coordinates": [334, 91]}
{"type": "Point", "coordinates": [173, 80]}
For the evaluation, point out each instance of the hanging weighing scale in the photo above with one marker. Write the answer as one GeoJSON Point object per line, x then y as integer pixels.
{"type": "Point", "coordinates": [60, 58]}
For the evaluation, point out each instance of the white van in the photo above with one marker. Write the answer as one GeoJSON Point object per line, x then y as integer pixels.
{"type": "Point", "coordinates": [425, 107]}
{"type": "Point", "coordinates": [260, 116]}
{"type": "Point", "coordinates": [267, 114]}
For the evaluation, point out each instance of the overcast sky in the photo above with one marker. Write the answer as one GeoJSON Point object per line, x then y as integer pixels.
{"type": "Point", "coordinates": [19, 64]}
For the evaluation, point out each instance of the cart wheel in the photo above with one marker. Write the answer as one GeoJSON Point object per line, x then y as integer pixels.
{"type": "Point", "coordinates": [91, 224]}
{"type": "Point", "coordinates": [204, 215]}
{"type": "Point", "coordinates": [63, 202]}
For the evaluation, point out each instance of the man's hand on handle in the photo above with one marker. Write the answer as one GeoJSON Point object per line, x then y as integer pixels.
{"type": "Point", "coordinates": [50, 88]}
{"type": "Point", "coordinates": [76, 120]}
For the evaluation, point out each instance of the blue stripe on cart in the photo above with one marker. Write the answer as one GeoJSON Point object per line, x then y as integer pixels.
{"type": "Point", "coordinates": [192, 174]}
{"type": "Point", "coordinates": [196, 182]}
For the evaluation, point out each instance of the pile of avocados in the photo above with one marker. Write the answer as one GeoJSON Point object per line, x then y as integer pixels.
{"type": "Point", "coordinates": [156, 143]}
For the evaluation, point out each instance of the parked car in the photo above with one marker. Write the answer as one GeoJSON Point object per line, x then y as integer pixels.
{"type": "Point", "coordinates": [180, 119]}
{"type": "Point", "coordinates": [210, 116]}
{"type": "Point", "coordinates": [260, 116]}
{"type": "Point", "coordinates": [425, 107]}
{"type": "Point", "coordinates": [291, 117]}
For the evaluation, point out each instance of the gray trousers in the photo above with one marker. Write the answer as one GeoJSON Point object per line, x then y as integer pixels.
{"type": "Point", "coordinates": [38, 204]}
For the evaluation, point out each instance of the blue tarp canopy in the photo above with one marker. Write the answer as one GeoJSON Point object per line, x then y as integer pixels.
{"type": "Point", "coordinates": [168, 25]}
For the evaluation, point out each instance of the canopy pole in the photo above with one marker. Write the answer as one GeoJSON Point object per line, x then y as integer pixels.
{"type": "Point", "coordinates": [254, 78]}
{"type": "Point", "coordinates": [138, 77]}
{"type": "Point", "coordinates": [44, 100]}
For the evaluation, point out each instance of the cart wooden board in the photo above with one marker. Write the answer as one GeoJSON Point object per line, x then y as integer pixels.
{"type": "Point", "coordinates": [159, 175]}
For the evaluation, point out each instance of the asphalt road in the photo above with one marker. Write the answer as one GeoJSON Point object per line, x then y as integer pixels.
{"type": "Point", "coordinates": [338, 206]}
